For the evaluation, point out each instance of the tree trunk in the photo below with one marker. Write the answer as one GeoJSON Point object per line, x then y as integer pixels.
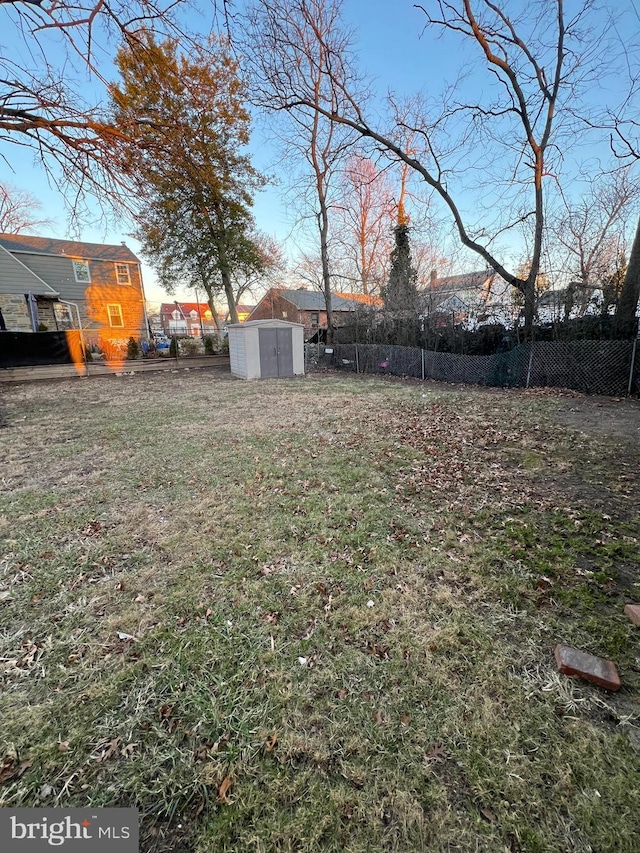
{"type": "Point", "coordinates": [529, 292]}
{"type": "Point", "coordinates": [625, 324]}
{"type": "Point", "coordinates": [214, 313]}
{"type": "Point", "coordinates": [323, 223]}
{"type": "Point", "coordinates": [228, 290]}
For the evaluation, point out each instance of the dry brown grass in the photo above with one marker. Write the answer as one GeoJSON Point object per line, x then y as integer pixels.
{"type": "Point", "coordinates": [317, 614]}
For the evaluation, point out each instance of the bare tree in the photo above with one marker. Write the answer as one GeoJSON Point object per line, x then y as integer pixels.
{"type": "Point", "coordinates": [536, 63]}
{"type": "Point", "coordinates": [50, 100]}
{"type": "Point", "coordinates": [592, 231]}
{"type": "Point", "coordinates": [366, 213]}
{"type": "Point", "coordinates": [19, 211]}
{"type": "Point", "coordinates": [274, 266]}
{"type": "Point", "coordinates": [289, 50]}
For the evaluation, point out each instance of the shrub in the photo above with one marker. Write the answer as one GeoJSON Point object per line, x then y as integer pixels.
{"type": "Point", "coordinates": [209, 349]}
{"type": "Point", "coordinates": [188, 346]}
{"type": "Point", "coordinates": [133, 349]}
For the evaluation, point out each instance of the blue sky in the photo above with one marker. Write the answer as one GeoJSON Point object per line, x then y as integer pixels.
{"type": "Point", "coordinates": [392, 52]}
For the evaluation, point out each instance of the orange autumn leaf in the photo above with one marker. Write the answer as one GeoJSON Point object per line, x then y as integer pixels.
{"type": "Point", "coordinates": [224, 789]}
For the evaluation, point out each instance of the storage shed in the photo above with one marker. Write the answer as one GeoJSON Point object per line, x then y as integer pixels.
{"type": "Point", "coordinates": [262, 349]}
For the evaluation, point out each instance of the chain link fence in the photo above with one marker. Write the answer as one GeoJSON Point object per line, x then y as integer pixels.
{"type": "Point", "coordinates": [593, 367]}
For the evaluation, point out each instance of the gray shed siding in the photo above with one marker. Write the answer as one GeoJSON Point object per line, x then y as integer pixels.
{"type": "Point", "coordinates": [244, 347]}
{"type": "Point", "coordinates": [237, 353]}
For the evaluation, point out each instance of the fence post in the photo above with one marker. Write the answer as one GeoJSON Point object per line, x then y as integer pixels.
{"type": "Point", "coordinates": [422, 360]}
{"type": "Point", "coordinates": [633, 362]}
{"type": "Point", "coordinates": [530, 363]}
{"type": "Point", "coordinates": [357, 359]}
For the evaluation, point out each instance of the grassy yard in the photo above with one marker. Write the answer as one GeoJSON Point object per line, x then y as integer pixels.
{"type": "Point", "coordinates": [318, 614]}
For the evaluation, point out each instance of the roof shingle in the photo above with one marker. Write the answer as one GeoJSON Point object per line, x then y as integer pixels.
{"type": "Point", "coordinates": [66, 248]}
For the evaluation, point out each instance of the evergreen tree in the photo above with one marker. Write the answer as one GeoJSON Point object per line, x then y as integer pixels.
{"type": "Point", "coordinates": [401, 297]}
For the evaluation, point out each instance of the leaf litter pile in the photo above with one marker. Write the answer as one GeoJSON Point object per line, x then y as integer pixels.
{"type": "Point", "coordinates": [318, 614]}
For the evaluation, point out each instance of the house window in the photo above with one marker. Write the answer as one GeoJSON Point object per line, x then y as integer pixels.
{"type": "Point", "coordinates": [315, 318]}
{"type": "Point", "coordinates": [81, 271]}
{"type": "Point", "coordinates": [122, 274]}
{"type": "Point", "coordinates": [114, 313]}
{"type": "Point", "coordinates": [62, 314]}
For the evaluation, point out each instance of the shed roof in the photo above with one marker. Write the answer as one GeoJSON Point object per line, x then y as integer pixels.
{"type": "Point", "coordinates": [285, 324]}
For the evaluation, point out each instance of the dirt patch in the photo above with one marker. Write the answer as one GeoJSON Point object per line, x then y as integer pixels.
{"type": "Point", "coordinates": [615, 416]}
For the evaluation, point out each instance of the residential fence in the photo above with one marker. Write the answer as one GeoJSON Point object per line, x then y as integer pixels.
{"type": "Point", "coordinates": [26, 349]}
{"type": "Point", "coordinates": [593, 367]}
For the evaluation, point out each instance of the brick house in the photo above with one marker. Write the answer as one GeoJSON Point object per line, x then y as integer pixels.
{"type": "Point", "coordinates": [308, 308]}
{"type": "Point", "coordinates": [65, 284]}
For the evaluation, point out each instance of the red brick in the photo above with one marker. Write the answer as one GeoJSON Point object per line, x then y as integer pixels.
{"type": "Point", "coordinates": [633, 612]}
{"type": "Point", "coordinates": [574, 662]}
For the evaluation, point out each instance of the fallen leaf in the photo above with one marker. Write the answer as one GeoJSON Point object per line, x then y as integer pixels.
{"type": "Point", "coordinates": [343, 693]}
{"type": "Point", "coordinates": [201, 752]}
{"type": "Point", "coordinates": [123, 636]}
{"type": "Point", "coordinates": [379, 718]}
{"type": "Point", "coordinates": [106, 749]}
{"type": "Point", "coordinates": [436, 755]}
{"type": "Point", "coordinates": [5, 595]}
{"type": "Point", "coordinates": [406, 719]}
{"type": "Point", "coordinates": [224, 789]}
{"type": "Point", "coordinates": [222, 743]}
{"type": "Point", "coordinates": [271, 742]}
{"type": "Point", "coordinates": [11, 768]}
{"type": "Point", "coordinates": [31, 650]}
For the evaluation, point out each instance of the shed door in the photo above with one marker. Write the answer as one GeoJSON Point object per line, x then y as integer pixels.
{"type": "Point", "coordinates": [276, 352]}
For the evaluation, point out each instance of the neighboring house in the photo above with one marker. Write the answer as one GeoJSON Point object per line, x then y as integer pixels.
{"type": "Point", "coordinates": [243, 312]}
{"type": "Point", "coordinates": [308, 307]}
{"type": "Point", "coordinates": [584, 301]}
{"type": "Point", "coordinates": [155, 324]}
{"type": "Point", "coordinates": [194, 319]}
{"type": "Point", "coordinates": [64, 284]}
{"type": "Point", "coordinates": [470, 300]}
{"type": "Point", "coordinates": [186, 318]}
